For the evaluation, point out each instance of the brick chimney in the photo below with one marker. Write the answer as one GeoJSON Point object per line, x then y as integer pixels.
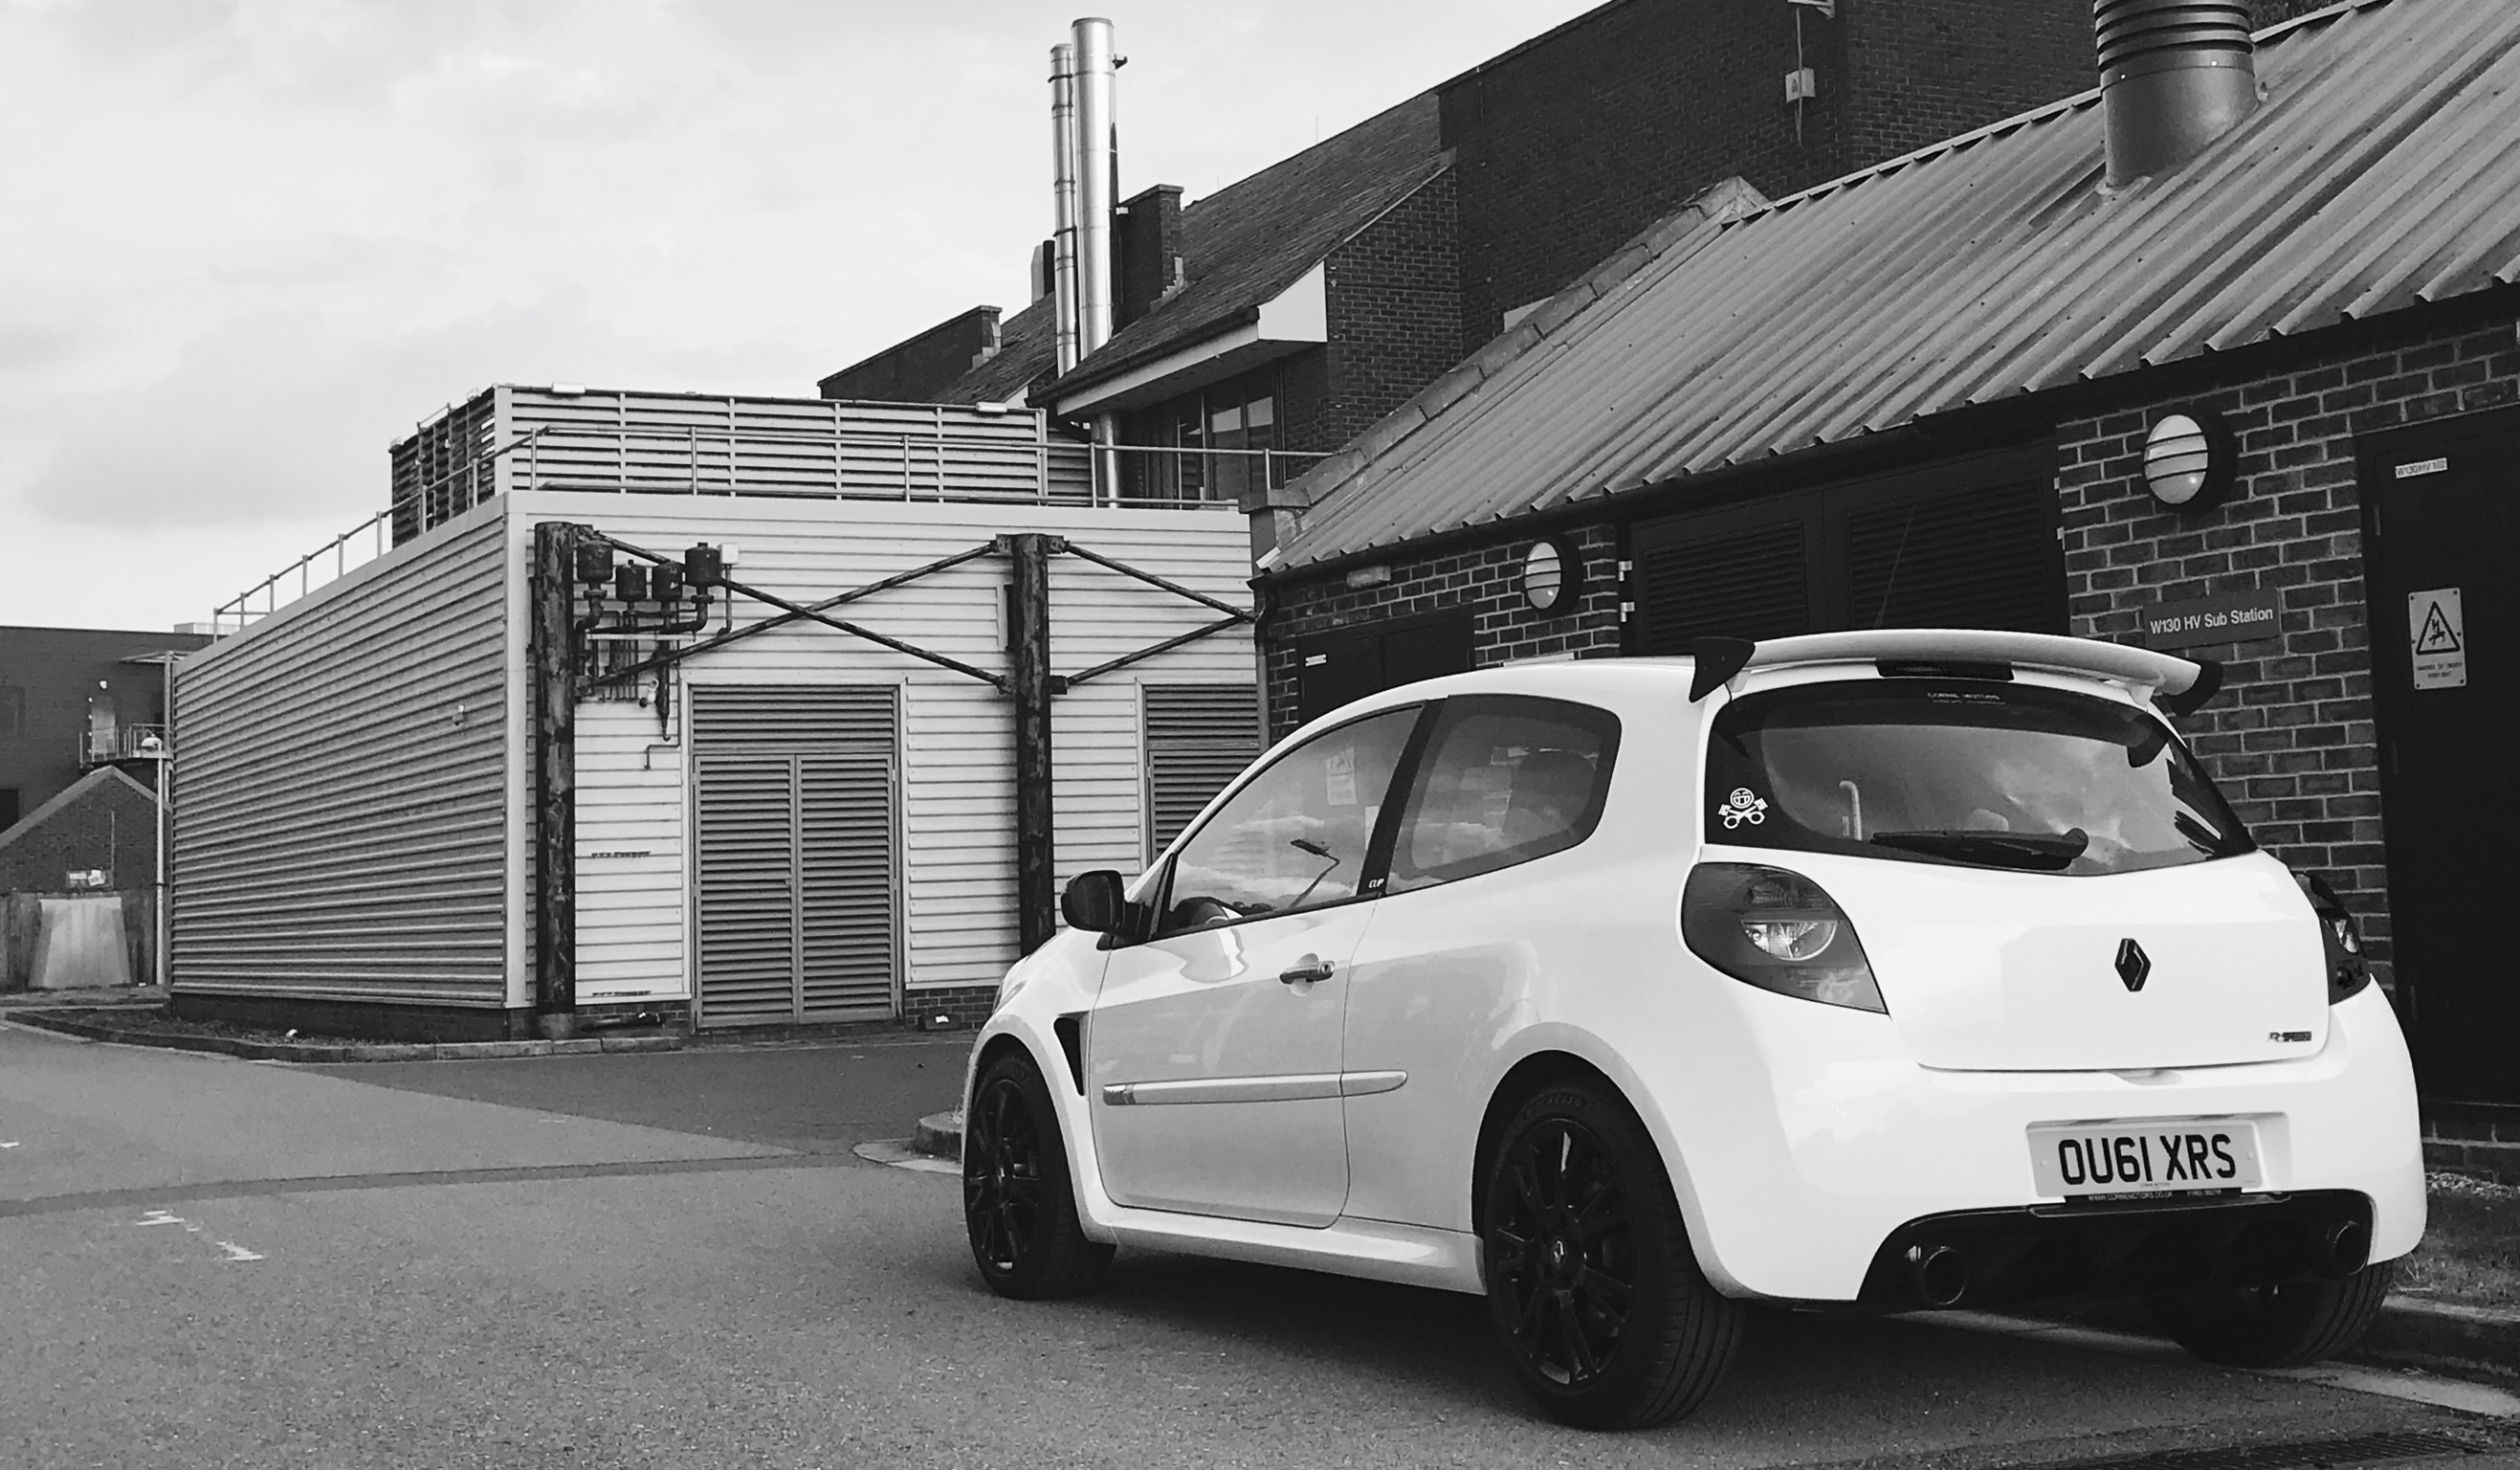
{"type": "Point", "coordinates": [1150, 239]}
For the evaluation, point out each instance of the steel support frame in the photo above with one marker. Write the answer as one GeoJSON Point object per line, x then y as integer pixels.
{"type": "Point", "coordinates": [1029, 684]}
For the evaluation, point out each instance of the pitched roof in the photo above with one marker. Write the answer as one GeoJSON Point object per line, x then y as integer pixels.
{"type": "Point", "coordinates": [1028, 350]}
{"type": "Point", "coordinates": [70, 795]}
{"type": "Point", "coordinates": [1249, 241]}
{"type": "Point", "coordinates": [2377, 174]}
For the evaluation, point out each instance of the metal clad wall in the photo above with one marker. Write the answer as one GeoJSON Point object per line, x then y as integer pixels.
{"type": "Point", "coordinates": [1198, 737]}
{"type": "Point", "coordinates": [957, 793]}
{"type": "Point", "coordinates": [630, 910]}
{"type": "Point", "coordinates": [339, 811]}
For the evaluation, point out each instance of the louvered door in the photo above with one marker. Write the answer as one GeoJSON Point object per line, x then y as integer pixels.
{"type": "Point", "coordinates": [794, 799]}
{"type": "Point", "coordinates": [1197, 738]}
{"type": "Point", "coordinates": [1733, 575]}
{"type": "Point", "coordinates": [844, 923]}
{"type": "Point", "coordinates": [1970, 544]}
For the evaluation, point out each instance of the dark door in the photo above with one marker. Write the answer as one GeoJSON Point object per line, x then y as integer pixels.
{"type": "Point", "coordinates": [2441, 507]}
{"type": "Point", "coordinates": [1353, 662]}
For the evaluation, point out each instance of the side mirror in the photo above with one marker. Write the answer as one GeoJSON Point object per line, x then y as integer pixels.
{"type": "Point", "coordinates": [1093, 901]}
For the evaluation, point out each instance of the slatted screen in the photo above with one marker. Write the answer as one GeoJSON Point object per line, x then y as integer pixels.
{"type": "Point", "coordinates": [1198, 737]}
{"type": "Point", "coordinates": [1732, 582]}
{"type": "Point", "coordinates": [795, 803]}
{"type": "Point", "coordinates": [1985, 559]}
{"type": "Point", "coordinates": [1971, 546]}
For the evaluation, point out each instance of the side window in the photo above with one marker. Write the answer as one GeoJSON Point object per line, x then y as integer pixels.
{"type": "Point", "coordinates": [1295, 837]}
{"type": "Point", "coordinates": [1505, 779]}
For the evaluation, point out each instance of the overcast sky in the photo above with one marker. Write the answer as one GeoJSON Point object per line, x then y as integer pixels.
{"type": "Point", "coordinates": [247, 244]}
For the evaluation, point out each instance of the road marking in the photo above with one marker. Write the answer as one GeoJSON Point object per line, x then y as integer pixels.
{"type": "Point", "coordinates": [12, 1143]}
{"type": "Point", "coordinates": [898, 1153]}
{"type": "Point", "coordinates": [237, 1252]}
{"type": "Point", "coordinates": [165, 1217]}
{"type": "Point", "coordinates": [2407, 1384]}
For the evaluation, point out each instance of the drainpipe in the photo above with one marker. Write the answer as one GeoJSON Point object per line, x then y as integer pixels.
{"type": "Point", "coordinates": [2174, 76]}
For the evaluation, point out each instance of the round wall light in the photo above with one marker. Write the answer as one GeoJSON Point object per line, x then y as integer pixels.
{"type": "Point", "coordinates": [1553, 575]}
{"type": "Point", "coordinates": [2188, 460]}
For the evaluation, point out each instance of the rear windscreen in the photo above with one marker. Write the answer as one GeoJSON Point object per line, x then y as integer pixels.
{"type": "Point", "coordinates": [1967, 771]}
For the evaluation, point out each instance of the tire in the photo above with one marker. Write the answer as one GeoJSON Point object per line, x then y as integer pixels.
{"type": "Point", "coordinates": [1593, 1291]}
{"type": "Point", "coordinates": [1018, 1199]}
{"type": "Point", "coordinates": [2282, 1326]}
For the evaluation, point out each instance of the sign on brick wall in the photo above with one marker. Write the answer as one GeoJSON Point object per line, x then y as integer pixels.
{"type": "Point", "coordinates": [2233, 617]}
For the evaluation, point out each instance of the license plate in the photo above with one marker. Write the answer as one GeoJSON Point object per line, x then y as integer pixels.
{"type": "Point", "coordinates": [2155, 1156]}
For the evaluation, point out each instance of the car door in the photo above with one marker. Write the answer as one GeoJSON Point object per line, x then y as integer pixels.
{"type": "Point", "coordinates": [1486, 903]}
{"type": "Point", "coordinates": [1213, 1051]}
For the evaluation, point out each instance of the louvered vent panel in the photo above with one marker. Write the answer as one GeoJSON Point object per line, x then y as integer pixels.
{"type": "Point", "coordinates": [793, 716]}
{"type": "Point", "coordinates": [747, 898]}
{"type": "Point", "coordinates": [845, 900]}
{"type": "Point", "coordinates": [1198, 737]}
{"type": "Point", "coordinates": [1736, 583]}
{"type": "Point", "coordinates": [1987, 559]}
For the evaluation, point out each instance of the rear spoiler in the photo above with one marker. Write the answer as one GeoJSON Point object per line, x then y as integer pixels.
{"type": "Point", "coordinates": [2178, 686]}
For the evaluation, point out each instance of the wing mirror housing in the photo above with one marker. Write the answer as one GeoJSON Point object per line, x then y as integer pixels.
{"type": "Point", "coordinates": [1094, 901]}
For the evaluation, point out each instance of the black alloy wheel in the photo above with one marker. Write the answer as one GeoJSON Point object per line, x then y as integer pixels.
{"type": "Point", "coordinates": [1019, 1202]}
{"type": "Point", "coordinates": [1593, 1288]}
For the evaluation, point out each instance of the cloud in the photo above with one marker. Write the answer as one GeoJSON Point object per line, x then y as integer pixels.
{"type": "Point", "coordinates": [286, 414]}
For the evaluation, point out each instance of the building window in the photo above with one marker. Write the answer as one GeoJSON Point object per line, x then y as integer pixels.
{"type": "Point", "coordinates": [1238, 415]}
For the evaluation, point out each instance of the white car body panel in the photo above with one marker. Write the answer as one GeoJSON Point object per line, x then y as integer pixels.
{"type": "Point", "coordinates": [1214, 1085]}
{"type": "Point", "coordinates": [1799, 1137]}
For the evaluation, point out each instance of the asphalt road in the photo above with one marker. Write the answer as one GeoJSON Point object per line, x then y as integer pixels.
{"type": "Point", "coordinates": [675, 1261]}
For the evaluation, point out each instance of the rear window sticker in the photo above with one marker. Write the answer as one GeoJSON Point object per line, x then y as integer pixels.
{"type": "Point", "coordinates": [1743, 805]}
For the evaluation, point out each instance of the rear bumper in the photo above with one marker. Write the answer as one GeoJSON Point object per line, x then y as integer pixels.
{"type": "Point", "coordinates": [1857, 1151]}
{"type": "Point", "coordinates": [1995, 1258]}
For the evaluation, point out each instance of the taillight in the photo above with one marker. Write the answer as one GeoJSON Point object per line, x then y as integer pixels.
{"type": "Point", "coordinates": [2348, 969]}
{"type": "Point", "coordinates": [1779, 931]}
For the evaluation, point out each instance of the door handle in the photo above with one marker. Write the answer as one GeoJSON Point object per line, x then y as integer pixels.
{"type": "Point", "coordinates": [1305, 971]}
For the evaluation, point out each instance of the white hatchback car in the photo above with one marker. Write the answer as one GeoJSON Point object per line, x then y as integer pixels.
{"type": "Point", "coordinates": [1891, 970]}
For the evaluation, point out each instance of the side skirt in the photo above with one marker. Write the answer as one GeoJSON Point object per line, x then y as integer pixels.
{"type": "Point", "coordinates": [1374, 1250]}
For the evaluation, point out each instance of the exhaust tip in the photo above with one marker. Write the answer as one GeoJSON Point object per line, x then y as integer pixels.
{"type": "Point", "coordinates": [2349, 1246]}
{"type": "Point", "coordinates": [1940, 1274]}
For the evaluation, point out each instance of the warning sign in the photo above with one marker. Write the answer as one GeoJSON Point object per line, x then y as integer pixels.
{"type": "Point", "coordinates": [2439, 635]}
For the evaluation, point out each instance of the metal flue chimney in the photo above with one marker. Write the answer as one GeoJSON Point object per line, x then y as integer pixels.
{"type": "Point", "coordinates": [1096, 179]}
{"type": "Point", "coordinates": [2174, 76]}
{"type": "Point", "coordinates": [1063, 240]}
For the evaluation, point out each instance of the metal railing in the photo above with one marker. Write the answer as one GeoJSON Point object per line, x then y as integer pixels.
{"type": "Point", "coordinates": [122, 743]}
{"type": "Point", "coordinates": [1158, 484]}
{"type": "Point", "coordinates": [368, 541]}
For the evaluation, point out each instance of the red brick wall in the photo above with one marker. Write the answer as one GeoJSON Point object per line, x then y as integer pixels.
{"type": "Point", "coordinates": [1568, 147]}
{"type": "Point", "coordinates": [1919, 73]}
{"type": "Point", "coordinates": [1395, 311]}
{"type": "Point", "coordinates": [2291, 738]}
{"type": "Point", "coordinates": [1484, 578]}
{"type": "Point", "coordinates": [109, 826]}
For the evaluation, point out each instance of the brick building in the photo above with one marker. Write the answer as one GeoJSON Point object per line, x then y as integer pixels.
{"type": "Point", "coordinates": [72, 699]}
{"type": "Point", "coordinates": [1290, 310]}
{"type": "Point", "coordinates": [1921, 395]}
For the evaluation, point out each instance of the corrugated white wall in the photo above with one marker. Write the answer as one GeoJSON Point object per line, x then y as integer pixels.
{"type": "Point", "coordinates": [957, 757]}
{"type": "Point", "coordinates": [342, 811]}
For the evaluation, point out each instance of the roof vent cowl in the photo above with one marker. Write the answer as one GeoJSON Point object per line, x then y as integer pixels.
{"type": "Point", "coordinates": [2174, 76]}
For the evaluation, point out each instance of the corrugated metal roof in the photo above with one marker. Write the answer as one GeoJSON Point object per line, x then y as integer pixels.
{"type": "Point", "coordinates": [2380, 172]}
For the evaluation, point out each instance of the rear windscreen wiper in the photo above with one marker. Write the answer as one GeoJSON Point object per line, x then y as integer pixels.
{"type": "Point", "coordinates": [2038, 851]}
